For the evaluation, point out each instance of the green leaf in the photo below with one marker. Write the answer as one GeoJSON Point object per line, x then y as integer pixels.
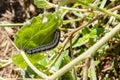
{"type": "Point", "coordinates": [43, 4]}
{"type": "Point", "coordinates": [91, 41]}
{"type": "Point", "coordinates": [69, 75]}
{"type": "Point", "coordinates": [32, 74]}
{"type": "Point", "coordinates": [37, 31]}
{"type": "Point", "coordinates": [96, 62]}
{"type": "Point", "coordinates": [59, 61]}
{"type": "Point", "coordinates": [35, 58]}
{"type": "Point", "coordinates": [100, 31]}
{"type": "Point", "coordinates": [18, 60]}
{"type": "Point", "coordinates": [93, 33]}
{"type": "Point", "coordinates": [85, 31]}
{"type": "Point", "coordinates": [88, 36]}
{"type": "Point", "coordinates": [81, 41]}
{"type": "Point", "coordinates": [64, 2]}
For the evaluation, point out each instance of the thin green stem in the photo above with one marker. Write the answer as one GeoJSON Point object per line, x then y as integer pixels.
{"type": "Point", "coordinates": [53, 62]}
{"type": "Point", "coordinates": [100, 9]}
{"type": "Point", "coordinates": [69, 21]}
{"type": "Point", "coordinates": [11, 25]}
{"type": "Point", "coordinates": [21, 24]}
{"type": "Point", "coordinates": [72, 9]}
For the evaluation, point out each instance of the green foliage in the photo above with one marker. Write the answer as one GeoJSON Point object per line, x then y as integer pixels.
{"type": "Point", "coordinates": [62, 62]}
{"type": "Point", "coordinates": [40, 67]}
{"type": "Point", "coordinates": [35, 59]}
{"type": "Point", "coordinates": [89, 36]}
{"type": "Point", "coordinates": [64, 2]}
{"type": "Point", "coordinates": [19, 61]}
{"type": "Point", "coordinates": [38, 31]}
{"type": "Point", "coordinates": [88, 1]}
{"type": "Point", "coordinates": [43, 4]}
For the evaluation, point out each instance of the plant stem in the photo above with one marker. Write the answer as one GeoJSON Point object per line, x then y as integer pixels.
{"type": "Point", "coordinates": [100, 9]}
{"type": "Point", "coordinates": [90, 52]}
{"type": "Point", "coordinates": [85, 68]}
{"type": "Point", "coordinates": [85, 10]}
{"type": "Point", "coordinates": [92, 66]}
{"type": "Point", "coordinates": [69, 21]}
{"type": "Point", "coordinates": [73, 9]}
{"type": "Point", "coordinates": [21, 24]}
{"type": "Point", "coordinates": [44, 76]}
{"type": "Point", "coordinates": [11, 25]}
{"type": "Point", "coordinates": [6, 63]}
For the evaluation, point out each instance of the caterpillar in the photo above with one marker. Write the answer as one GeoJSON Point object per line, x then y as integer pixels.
{"type": "Point", "coordinates": [46, 46]}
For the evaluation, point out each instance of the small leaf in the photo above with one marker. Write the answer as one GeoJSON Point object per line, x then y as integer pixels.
{"type": "Point", "coordinates": [81, 41]}
{"type": "Point", "coordinates": [93, 33]}
{"type": "Point", "coordinates": [32, 74]}
{"type": "Point", "coordinates": [69, 75]}
{"type": "Point", "coordinates": [85, 31]}
{"type": "Point", "coordinates": [100, 31]}
{"type": "Point", "coordinates": [18, 60]}
{"type": "Point", "coordinates": [43, 4]}
{"type": "Point", "coordinates": [59, 61]}
{"type": "Point", "coordinates": [64, 2]}
{"type": "Point", "coordinates": [91, 41]}
{"type": "Point", "coordinates": [37, 58]}
{"type": "Point", "coordinates": [96, 62]}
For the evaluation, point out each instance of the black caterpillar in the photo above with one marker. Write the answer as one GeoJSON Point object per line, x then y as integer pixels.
{"type": "Point", "coordinates": [46, 46]}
